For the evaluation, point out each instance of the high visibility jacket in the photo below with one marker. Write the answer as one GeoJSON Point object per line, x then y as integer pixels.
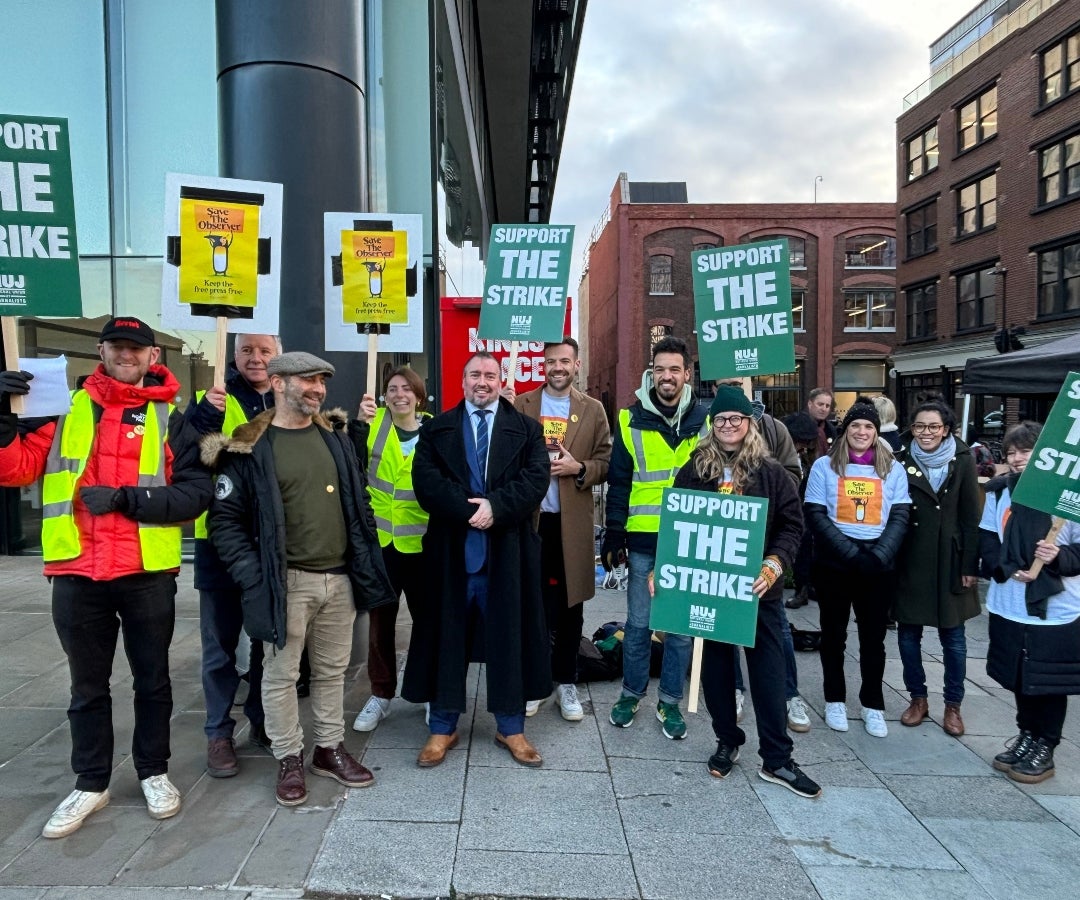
{"type": "Point", "coordinates": [234, 418]}
{"type": "Point", "coordinates": [71, 445]}
{"type": "Point", "coordinates": [655, 467]}
{"type": "Point", "coordinates": [397, 514]}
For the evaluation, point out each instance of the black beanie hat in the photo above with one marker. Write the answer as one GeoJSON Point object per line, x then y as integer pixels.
{"type": "Point", "coordinates": [861, 409]}
{"type": "Point", "coordinates": [731, 399]}
{"type": "Point", "coordinates": [801, 427]}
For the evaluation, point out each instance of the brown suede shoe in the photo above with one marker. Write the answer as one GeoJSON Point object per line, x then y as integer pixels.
{"type": "Point", "coordinates": [522, 751]}
{"type": "Point", "coordinates": [435, 750]}
{"type": "Point", "coordinates": [952, 723]}
{"type": "Point", "coordinates": [291, 789]}
{"type": "Point", "coordinates": [915, 713]}
{"type": "Point", "coordinates": [339, 764]}
{"type": "Point", "coordinates": [221, 759]}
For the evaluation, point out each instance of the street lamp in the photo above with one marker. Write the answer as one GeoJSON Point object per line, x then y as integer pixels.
{"type": "Point", "coordinates": [1007, 338]}
{"type": "Point", "coordinates": [816, 180]}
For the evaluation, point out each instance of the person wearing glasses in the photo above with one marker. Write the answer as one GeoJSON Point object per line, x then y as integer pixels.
{"type": "Point", "coordinates": [733, 458]}
{"type": "Point", "coordinates": [937, 569]}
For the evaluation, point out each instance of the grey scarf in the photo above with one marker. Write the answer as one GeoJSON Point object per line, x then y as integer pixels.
{"type": "Point", "coordinates": [936, 463]}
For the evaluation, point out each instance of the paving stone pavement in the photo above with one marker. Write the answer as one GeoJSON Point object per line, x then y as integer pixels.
{"type": "Point", "coordinates": [613, 813]}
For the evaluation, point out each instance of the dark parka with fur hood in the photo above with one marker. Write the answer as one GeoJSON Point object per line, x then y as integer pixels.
{"type": "Point", "coordinates": [247, 522]}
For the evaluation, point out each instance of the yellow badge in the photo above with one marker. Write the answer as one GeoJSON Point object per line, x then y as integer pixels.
{"type": "Point", "coordinates": [574, 417]}
{"type": "Point", "coordinates": [329, 489]}
{"type": "Point", "coordinates": [139, 429]}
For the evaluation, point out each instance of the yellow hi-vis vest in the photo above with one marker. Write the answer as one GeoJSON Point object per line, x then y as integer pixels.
{"type": "Point", "coordinates": [234, 418]}
{"type": "Point", "coordinates": [71, 445]}
{"type": "Point", "coordinates": [655, 467]}
{"type": "Point", "coordinates": [397, 514]}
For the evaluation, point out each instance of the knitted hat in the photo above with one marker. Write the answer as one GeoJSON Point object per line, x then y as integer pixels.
{"type": "Point", "coordinates": [731, 399]}
{"type": "Point", "coordinates": [861, 409]}
{"type": "Point", "coordinates": [801, 427]}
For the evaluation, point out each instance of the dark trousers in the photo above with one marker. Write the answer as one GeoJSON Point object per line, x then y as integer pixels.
{"type": "Point", "coordinates": [1042, 714]}
{"type": "Point", "coordinates": [564, 623]}
{"type": "Point", "coordinates": [221, 620]}
{"type": "Point", "coordinates": [88, 616]}
{"type": "Point", "coordinates": [765, 666]}
{"type": "Point", "coordinates": [407, 577]}
{"type": "Point", "coordinates": [838, 593]}
{"type": "Point", "coordinates": [803, 567]}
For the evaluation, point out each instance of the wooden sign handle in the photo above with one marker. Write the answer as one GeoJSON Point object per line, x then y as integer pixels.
{"type": "Point", "coordinates": [222, 348]}
{"type": "Point", "coordinates": [1056, 525]}
{"type": "Point", "coordinates": [373, 362]}
{"type": "Point", "coordinates": [11, 356]}
{"type": "Point", "coordinates": [695, 675]}
{"type": "Point", "coordinates": [511, 369]}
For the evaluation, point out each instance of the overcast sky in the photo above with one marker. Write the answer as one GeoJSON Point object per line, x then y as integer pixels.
{"type": "Point", "coordinates": [747, 101]}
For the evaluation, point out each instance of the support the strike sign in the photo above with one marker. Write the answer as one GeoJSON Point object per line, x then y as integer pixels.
{"type": "Point", "coordinates": [708, 555]}
{"type": "Point", "coordinates": [742, 302]}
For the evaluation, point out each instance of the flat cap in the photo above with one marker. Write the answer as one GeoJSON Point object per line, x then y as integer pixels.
{"type": "Point", "coordinates": [298, 363]}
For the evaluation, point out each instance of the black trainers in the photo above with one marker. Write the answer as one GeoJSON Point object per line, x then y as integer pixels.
{"type": "Point", "coordinates": [1016, 749]}
{"type": "Point", "coordinates": [722, 760]}
{"type": "Point", "coordinates": [1034, 766]}
{"type": "Point", "coordinates": [791, 777]}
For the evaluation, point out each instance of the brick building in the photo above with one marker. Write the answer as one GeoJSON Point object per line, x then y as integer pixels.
{"type": "Point", "coordinates": [638, 287]}
{"type": "Point", "coordinates": [988, 175]}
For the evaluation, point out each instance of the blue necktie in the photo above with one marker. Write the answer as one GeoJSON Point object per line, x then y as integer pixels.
{"type": "Point", "coordinates": [482, 441]}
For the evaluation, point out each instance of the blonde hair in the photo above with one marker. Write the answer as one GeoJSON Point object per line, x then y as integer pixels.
{"type": "Point", "coordinates": [885, 409]}
{"type": "Point", "coordinates": [838, 456]}
{"type": "Point", "coordinates": [710, 459]}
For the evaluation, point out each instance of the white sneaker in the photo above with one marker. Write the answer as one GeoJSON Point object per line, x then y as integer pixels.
{"type": "Point", "coordinates": [836, 716]}
{"type": "Point", "coordinates": [797, 718]}
{"type": "Point", "coordinates": [569, 704]}
{"type": "Point", "coordinates": [162, 797]}
{"type": "Point", "coordinates": [73, 811]}
{"type": "Point", "coordinates": [875, 722]}
{"type": "Point", "coordinates": [374, 711]}
{"type": "Point", "coordinates": [740, 702]}
{"type": "Point", "coordinates": [532, 707]}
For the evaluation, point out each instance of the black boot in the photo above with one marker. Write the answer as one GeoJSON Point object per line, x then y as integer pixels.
{"type": "Point", "coordinates": [1017, 748]}
{"type": "Point", "coordinates": [1036, 765]}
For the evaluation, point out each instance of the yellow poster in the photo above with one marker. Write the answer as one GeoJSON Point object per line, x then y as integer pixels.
{"type": "Point", "coordinates": [373, 265]}
{"type": "Point", "coordinates": [219, 262]}
{"type": "Point", "coordinates": [858, 501]}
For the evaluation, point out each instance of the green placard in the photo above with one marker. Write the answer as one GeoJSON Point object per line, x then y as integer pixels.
{"type": "Point", "coordinates": [39, 255]}
{"type": "Point", "coordinates": [1051, 479]}
{"type": "Point", "coordinates": [742, 301]}
{"type": "Point", "coordinates": [525, 287]}
{"type": "Point", "coordinates": [708, 555]}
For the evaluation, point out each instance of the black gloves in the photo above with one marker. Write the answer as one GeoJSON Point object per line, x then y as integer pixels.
{"type": "Point", "coordinates": [13, 383]}
{"type": "Point", "coordinates": [613, 549]}
{"type": "Point", "coordinates": [101, 500]}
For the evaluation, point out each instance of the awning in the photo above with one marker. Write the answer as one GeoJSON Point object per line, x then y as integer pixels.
{"type": "Point", "coordinates": [1037, 370]}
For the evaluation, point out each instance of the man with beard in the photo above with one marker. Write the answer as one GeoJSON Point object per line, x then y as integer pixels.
{"type": "Point", "coordinates": [292, 522]}
{"type": "Point", "coordinates": [652, 442]}
{"type": "Point", "coordinates": [579, 444]}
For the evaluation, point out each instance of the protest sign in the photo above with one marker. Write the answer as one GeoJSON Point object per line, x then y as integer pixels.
{"type": "Point", "coordinates": [39, 253]}
{"type": "Point", "coordinates": [220, 235]}
{"type": "Point", "coordinates": [373, 265]}
{"type": "Point", "coordinates": [708, 555]}
{"type": "Point", "coordinates": [742, 303]}
{"type": "Point", "coordinates": [1051, 479]}
{"type": "Point", "coordinates": [526, 282]}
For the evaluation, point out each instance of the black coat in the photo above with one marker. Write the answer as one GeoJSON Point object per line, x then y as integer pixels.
{"type": "Point", "coordinates": [247, 522]}
{"type": "Point", "coordinates": [513, 640]}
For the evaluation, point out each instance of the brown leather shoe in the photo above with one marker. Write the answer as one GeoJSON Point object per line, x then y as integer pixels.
{"type": "Point", "coordinates": [915, 713]}
{"type": "Point", "coordinates": [952, 723]}
{"type": "Point", "coordinates": [291, 789]}
{"type": "Point", "coordinates": [221, 759]}
{"type": "Point", "coordinates": [522, 751]}
{"type": "Point", "coordinates": [435, 750]}
{"type": "Point", "coordinates": [339, 764]}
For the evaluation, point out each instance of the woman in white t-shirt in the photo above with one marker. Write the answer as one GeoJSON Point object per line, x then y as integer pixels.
{"type": "Point", "coordinates": [1034, 622]}
{"type": "Point", "coordinates": [857, 506]}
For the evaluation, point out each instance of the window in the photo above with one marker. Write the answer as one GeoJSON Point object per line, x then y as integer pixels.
{"type": "Point", "coordinates": [976, 121]}
{"type": "Point", "coordinates": [921, 311]}
{"type": "Point", "coordinates": [660, 274]}
{"type": "Point", "coordinates": [1059, 170]}
{"type": "Point", "coordinates": [873, 310]}
{"type": "Point", "coordinates": [921, 227]}
{"type": "Point", "coordinates": [976, 205]}
{"type": "Point", "coordinates": [1060, 66]}
{"type": "Point", "coordinates": [976, 298]}
{"type": "Point", "coordinates": [1059, 280]}
{"type": "Point", "coordinates": [657, 333]}
{"type": "Point", "coordinates": [870, 251]}
{"type": "Point", "coordinates": [798, 310]}
{"type": "Point", "coordinates": [796, 248]}
{"type": "Point", "coordinates": [922, 153]}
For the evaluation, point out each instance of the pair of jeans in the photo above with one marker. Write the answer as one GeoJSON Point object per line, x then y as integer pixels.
{"type": "Point", "coordinates": [791, 669]}
{"type": "Point", "coordinates": [953, 651]}
{"type": "Point", "coordinates": [88, 616]}
{"type": "Point", "coordinates": [564, 622]}
{"type": "Point", "coordinates": [838, 593]}
{"type": "Point", "coordinates": [1042, 714]}
{"type": "Point", "coordinates": [319, 615]}
{"type": "Point", "coordinates": [764, 663]}
{"type": "Point", "coordinates": [407, 577]}
{"type": "Point", "coordinates": [637, 639]}
{"type": "Point", "coordinates": [221, 621]}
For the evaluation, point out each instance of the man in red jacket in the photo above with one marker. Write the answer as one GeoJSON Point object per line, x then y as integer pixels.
{"type": "Point", "coordinates": [119, 473]}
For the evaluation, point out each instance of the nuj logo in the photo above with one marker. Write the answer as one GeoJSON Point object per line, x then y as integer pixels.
{"type": "Point", "coordinates": [746, 355]}
{"type": "Point", "coordinates": [13, 281]}
{"type": "Point", "coordinates": [702, 612]}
